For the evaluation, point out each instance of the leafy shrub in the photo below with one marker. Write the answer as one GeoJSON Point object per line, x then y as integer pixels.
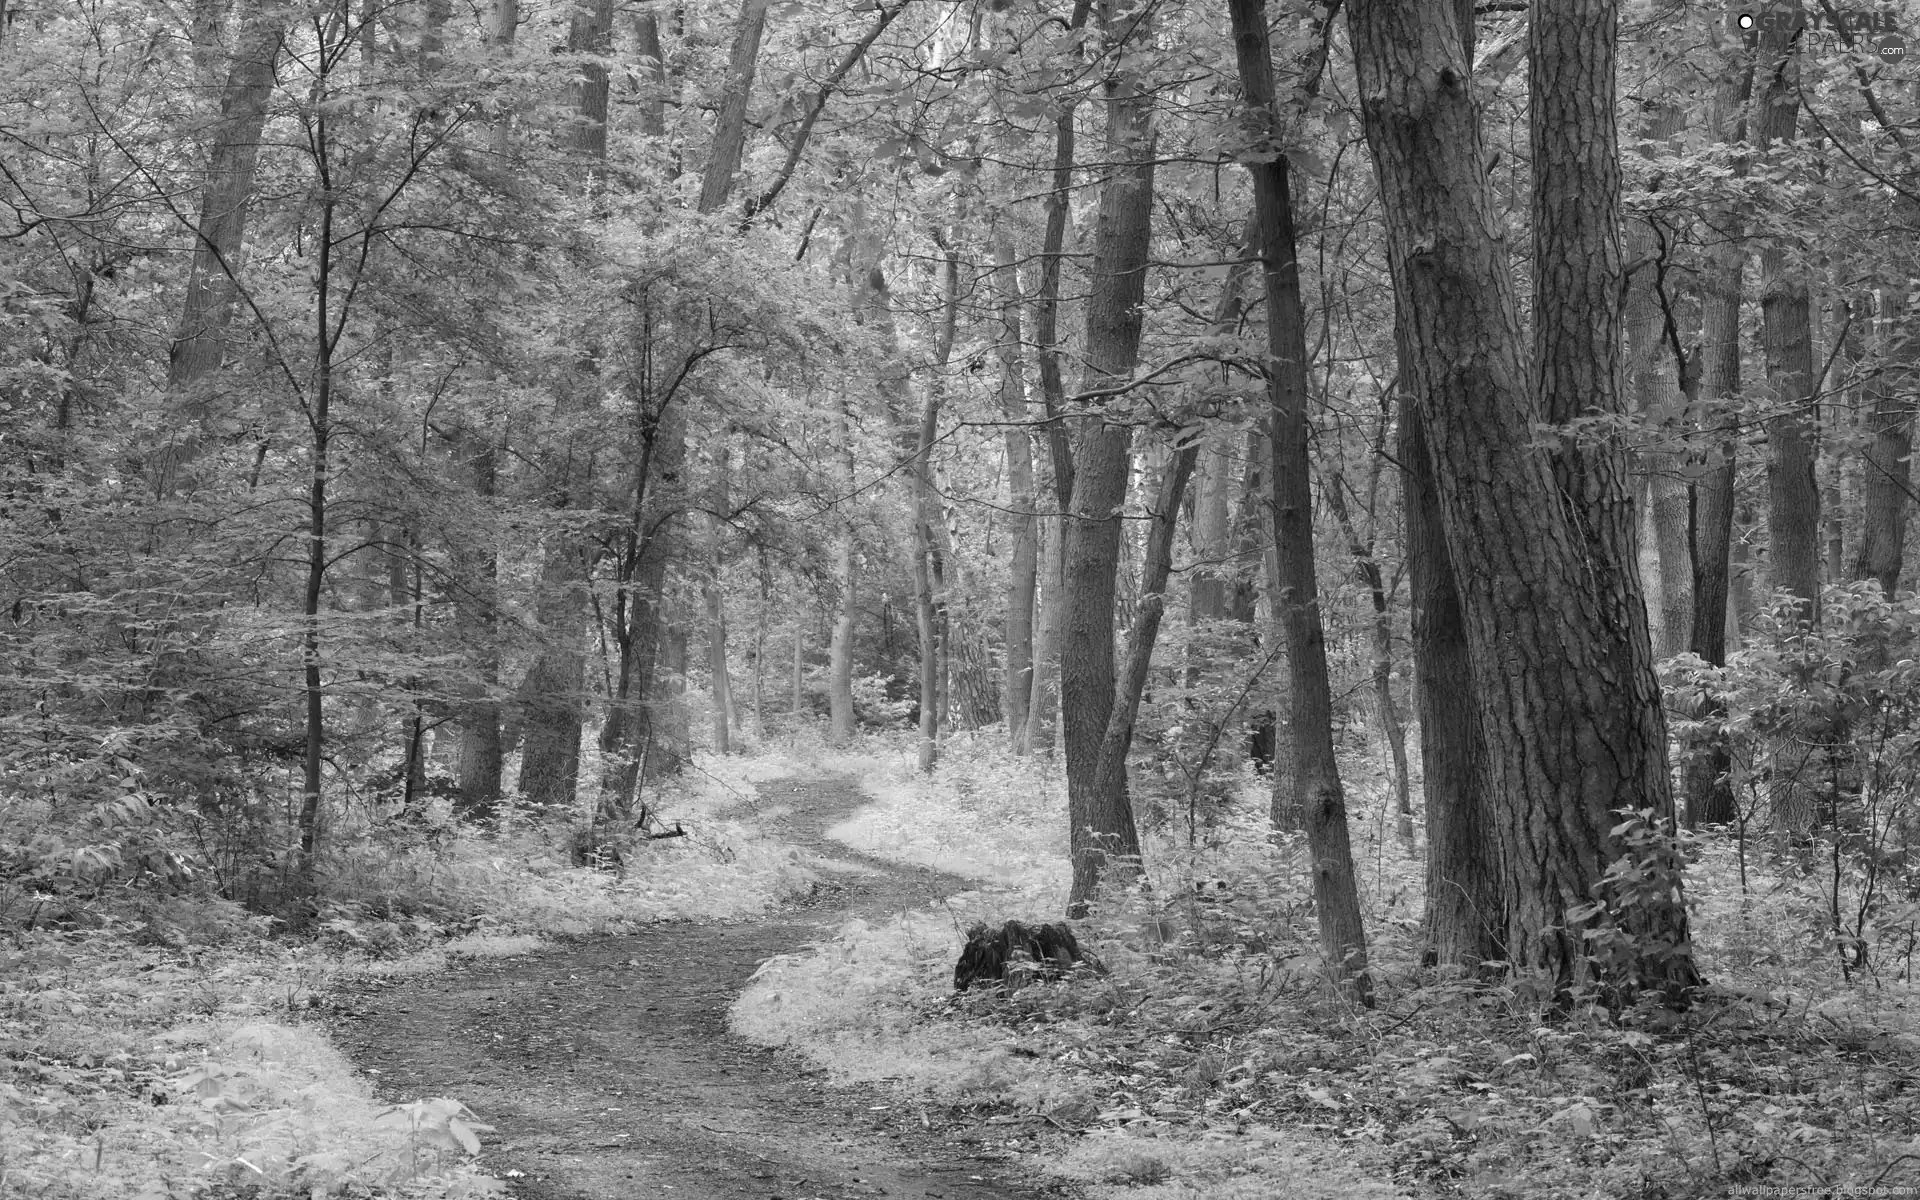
{"type": "Point", "coordinates": [1819, 727]}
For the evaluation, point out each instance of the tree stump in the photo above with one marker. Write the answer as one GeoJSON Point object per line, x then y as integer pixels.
{"type": "Point", "coordinates": [1017, 954]}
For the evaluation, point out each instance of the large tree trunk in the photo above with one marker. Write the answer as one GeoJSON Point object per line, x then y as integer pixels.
{"type": "Point", "coordinates": [1786, 320]}
{"type": "Point", "coordinates": [1885, 482]}
{"type": "Point", "coordinates": [1023, 562]}
{"type": "Point", "coordinates": [1103, 841]}
{"type": "Point", "coordinates": [1296, 604]}
{"type": "Point", "coordinates": [1563, 675]}
{"type": "Point", "coordinates": [1465, 919]}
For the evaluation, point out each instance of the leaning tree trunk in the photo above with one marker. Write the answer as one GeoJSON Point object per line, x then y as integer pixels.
{"type": "Point", "coordinates": [1562, 667]}
{"type": "Point", "coordinates": [1110, 774]}
{"type": "Point", "coordinates": [206, 311]}
{"type": "Point", "coordinates": [1465, 919]}
{"type": "Point", "coordinates": [1466, 911]}
{"type": "Point", "coordinates": [1296, 604]}
{"type": "Point", "coordinates": [730, 130]}
{"type": "Point", "coordinates": [1102, 839]}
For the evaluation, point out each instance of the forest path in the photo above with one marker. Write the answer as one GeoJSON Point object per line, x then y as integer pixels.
{"type": "Point", "coordinates": [607, 1071]}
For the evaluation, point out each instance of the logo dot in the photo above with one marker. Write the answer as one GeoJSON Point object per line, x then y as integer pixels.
{"type": "Point", "coordinates": [1892, 47]}
{"type": "Point", "coordinates": [1746, 20]}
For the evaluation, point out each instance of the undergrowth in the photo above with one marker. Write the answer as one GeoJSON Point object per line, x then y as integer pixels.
{"type": "Point", "coordinates": [150, 1039]}
{"type": "Point", "coordinates": [1212, 1058]}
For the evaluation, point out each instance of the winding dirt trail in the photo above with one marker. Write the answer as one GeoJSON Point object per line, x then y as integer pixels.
{"type": "Point", "coordinates": [607, 1071]}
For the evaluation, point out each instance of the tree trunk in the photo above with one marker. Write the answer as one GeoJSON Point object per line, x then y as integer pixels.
{"type": "Point", "coordinates": [929, 574]}
{"type": "Point", "coordinates": [476, 562]}
{"type": "Point", "coordinates": [840, 646]}
{"type": "Point", "coordinates": [1886, 480]}
{"type": "Point", "coordinates": [206, 310]}
{"type": "Point", "coordinates": [669, 742]}
{"type": "Point", "coordinates": [1023, 562]}
{"type": "Point", "coordinates": [1465, 920]}
{"type": "Point", "coordinates": [476, 568]}
{"type": "Point", "coordinates": [1102, 840]}
{"type": "Point", "coordinates": [798, 700]}
{"type": "Point", "coordinates": [1654, 387]}
{"type": "Point", "coordinates": [1297, 602]}
{"type": "Point", "coordinates": [717, 668]}
{"type": "Point", "coordinates": [1366, 568]}
{"type": "Point", "coordinates": [1042, 709]}
{"type": "Point", "coordinates": [1709, 794]}
{"type": "Point", "coordinates": [1793, 496]}
{"type": "Point", "coordinates": [1044, 703]}
{"type": "Point", "coordinates": [1556, 629]}
{"type": "Point", "coordinates": [1110, 773]}
{"type": "Point", "coordinates": [554, 692]}
{"type": "Point", "coordinates": [730, 130]}
{"type": "Point", "coordinates": [320, 424]}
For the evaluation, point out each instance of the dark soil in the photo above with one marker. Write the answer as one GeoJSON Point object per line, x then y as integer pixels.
{"type": "Point", "coordinates": [606, 1069]}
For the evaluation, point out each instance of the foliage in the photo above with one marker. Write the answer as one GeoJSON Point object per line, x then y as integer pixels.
{"type": "Point", "coordinates": [136, 1071]}
{"type": "Point", "coordinates": [1215, 1027]}
{"type": "Point", "coordinates": [1819, 728]}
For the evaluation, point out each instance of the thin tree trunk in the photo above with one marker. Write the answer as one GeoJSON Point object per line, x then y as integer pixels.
{"type": "Point", "coordinates": [798, 700]}
{"type": "Point", "coordinates": [1886, 479]}
{"type": "Point", "coordinates": [320, 423]}
{"type": "Point", "coordinates": [929, 579]}
{"type": "Point", "coordinates": [1654, 391]}
{"type": "Point", "coordinates": [1296, 604]}
{"type": "Point", "coordinates": [1042, 714]}
{"type": "Point", "coordinates": [717, 668]}
{"type": "Point", "coordinates": [1709, 792]}
{"type": "Point", "coordinates": [1366, 567]}
{"type": "Point", "coordinates": [1023, 561]}
{"type": "Point", "coordinates": [1110, 773]}
{"type": "Point", "coordinates": [840, 648]}
{"type": "Point", "coordinates": [1044, 704]}
{"type": "Point", "coordinates": [1103, 841]}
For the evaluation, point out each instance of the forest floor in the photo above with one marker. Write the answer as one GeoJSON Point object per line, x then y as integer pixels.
{"type": "Point", "coordinates": [605, 1065]}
